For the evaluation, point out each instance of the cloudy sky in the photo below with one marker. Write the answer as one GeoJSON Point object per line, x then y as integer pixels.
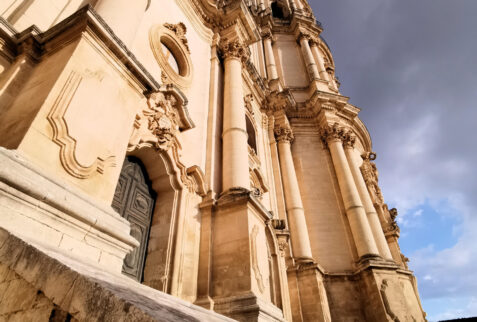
{"type": "Point", "coordinates": [411, 66]}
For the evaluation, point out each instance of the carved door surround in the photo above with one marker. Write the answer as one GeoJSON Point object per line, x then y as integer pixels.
{"type": "Point", "coordinates": [134, 200]}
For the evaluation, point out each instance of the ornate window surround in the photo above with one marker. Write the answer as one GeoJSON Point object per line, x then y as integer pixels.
{"type": "Point", "coordinates": [173, 37]}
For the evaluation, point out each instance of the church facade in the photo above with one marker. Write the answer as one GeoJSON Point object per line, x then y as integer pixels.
{"type": "Point", "coordinates": [187, 160]}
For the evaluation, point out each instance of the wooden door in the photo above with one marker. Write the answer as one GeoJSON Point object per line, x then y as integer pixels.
{"type": "Point", "coordinates": [134, 200]}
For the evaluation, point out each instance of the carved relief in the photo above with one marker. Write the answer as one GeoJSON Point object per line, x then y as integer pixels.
{"type": "Point", "coordinates": [393, 227]}
{"type": "Point", "coordinates": [158, 126]}
{"type": "Point", "coordinates": [370, 175]}
{"type": "Point", "coordinates": [255, 267]}
{"type": "Point", "coordinates": [61, 135]}
{"type": "Point", "coordinates": [248, 99]}
{"type": "Point", "coordinates": [180, 30]}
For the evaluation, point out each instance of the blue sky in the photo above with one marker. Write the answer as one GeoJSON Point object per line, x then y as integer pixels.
{"type": "Point", "coordinates": [411, 66]}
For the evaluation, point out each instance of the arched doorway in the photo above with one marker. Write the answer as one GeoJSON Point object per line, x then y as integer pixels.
{"type": "Point", "coordinates": [134, 200]}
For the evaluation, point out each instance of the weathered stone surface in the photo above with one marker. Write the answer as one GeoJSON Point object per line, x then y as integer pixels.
{"type": "Point", "coordinates": [35, 285]}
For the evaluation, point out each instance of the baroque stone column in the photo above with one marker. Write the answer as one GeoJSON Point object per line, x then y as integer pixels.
{"type": "Point", "coordinates": [294, 206]}
{"type": "Point", "coordinates": [319, 60]}
{"type": "Point", "coordinates": [362, 234]}
{"type": "Point", "coordinates": [373, 218]}
{"type": "Point", "coordinates": [234, 136]}
{"type": "Point", "coordinates": [304, 39]}
{"type": "Point", "coordinates": [269, 56]}
{"type": "Point", "coordinates": [123, 16]}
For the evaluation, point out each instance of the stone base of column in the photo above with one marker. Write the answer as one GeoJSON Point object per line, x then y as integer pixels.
{"type": "Point", "coordinates": [240, 271]}
{"type": "Point", "coordinates": [375, 260]}
{"type": "Point", "coordinates": [206, 302]}
{"type": "Point", "coordinates": [248, 308]}
{"type": "Point", "coordinates": [391, 295]}
{"type": "Point", "coordinates": [308, 294]}
{"type": "Point", "coordinates": [318, 85]}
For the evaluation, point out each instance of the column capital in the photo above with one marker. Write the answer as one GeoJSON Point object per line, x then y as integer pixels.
{"type": "Point", "coordinates": [234, 49]}
{"type": "Point", "coordinates": [314, 41]}
{"type": "Point", "coordinates": [332, 132]}
{"type": "Point", "coordinates": [304, 36]}
{"type": "Point", "coordinates": [267, 34]}
{"type": "Point", "coordinates": [349, 140]}
{"type": "Point", "coordinates": [284, 134]}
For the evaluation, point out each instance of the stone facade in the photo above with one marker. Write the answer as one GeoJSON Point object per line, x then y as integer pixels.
{"type": "Point", "coordinates": [187, 160]}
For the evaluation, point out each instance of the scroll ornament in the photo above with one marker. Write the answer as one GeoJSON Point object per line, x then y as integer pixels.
{"type": "Point", "coordinates": [157, 125]}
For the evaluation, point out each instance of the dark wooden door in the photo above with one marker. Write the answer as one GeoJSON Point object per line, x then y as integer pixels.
{"type": "Point", "coordinates": [134, 200]}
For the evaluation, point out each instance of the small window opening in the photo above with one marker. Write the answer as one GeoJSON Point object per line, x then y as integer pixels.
{"type": "Point", "coordinates": [277, 11]}
{"type": "Point", "coordinates": [252, 141]}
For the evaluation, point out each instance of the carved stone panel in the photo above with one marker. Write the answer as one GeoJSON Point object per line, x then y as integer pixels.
{"type": "Point", "coordinates": [134, 200]}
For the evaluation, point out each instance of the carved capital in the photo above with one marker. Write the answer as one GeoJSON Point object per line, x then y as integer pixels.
{"type": "Point", "coordinates": [304, 36]}
{"type": "Point", "coordinates": [331, 133]}
{"type": "Point", "coordinates": [349, 140]}
{"type": "Point", "coordinates": [267, 34]}
{"type": "Point", "coordinates": [234, 49]}
{"type": "Point", "coordinates": [314, 41]}
{"type": "Point", "coordinates": [284, 134]}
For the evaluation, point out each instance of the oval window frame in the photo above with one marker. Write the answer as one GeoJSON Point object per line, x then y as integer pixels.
{"type": "Point", "coordinates": [161, 36]}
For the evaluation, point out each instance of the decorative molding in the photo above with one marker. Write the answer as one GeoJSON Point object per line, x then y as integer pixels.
{"type": "Point", "coordinates": [387, 305]}
{"type": "Point", "coordinates": [248, 99]}
{"type": "Point", "coordinates": [67, 144]}
{"type": "Point", "coordinates": [255, 267]}
{"type": "Point", "coordinates": [200, 187]}
{"type": "Point", "coordinates": [158, 127]}
{"type": "Point", "coordinates": [258, 182]}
